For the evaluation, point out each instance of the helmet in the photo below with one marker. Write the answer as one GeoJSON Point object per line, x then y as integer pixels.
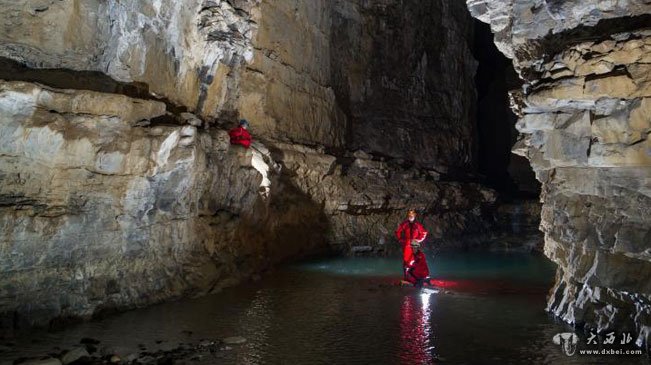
{"type": "Point", "coordinates": [244, 123]}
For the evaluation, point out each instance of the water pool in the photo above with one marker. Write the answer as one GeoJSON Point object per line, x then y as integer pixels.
{"type": "Point", "coordinates": [349, 311]}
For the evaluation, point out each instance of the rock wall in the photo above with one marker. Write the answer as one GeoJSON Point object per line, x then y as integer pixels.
{"type": "Point", "coordinates": [99, 213]}
{"type": "Point", "coordinates": [391, 78]}
{"type": "Point", "coordinates": [412, 96]}
{"type": "Point", "coordinates": [112, 195]}
{"type": "Point", "coordinates": [585, 124]}
{"type": "Point", "coordinates": [186, 51]}
{"type": "Point", "coordinates": [369, 108]}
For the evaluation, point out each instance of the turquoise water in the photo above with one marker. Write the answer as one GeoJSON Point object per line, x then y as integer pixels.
{"type": "Point", "coordinates": [350, 311]}
{"type": "Point", "coordinates": [513, 265]}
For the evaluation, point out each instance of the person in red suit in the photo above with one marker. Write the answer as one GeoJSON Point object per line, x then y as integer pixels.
{"type": "Point", "coordinates": [241, 143]}
{"type": "Point", "coordinates": [410, 231]}
{"type": "Point", "coordinates": [417, 272]}
{"type": "Point", "coordinates": [240, 135]}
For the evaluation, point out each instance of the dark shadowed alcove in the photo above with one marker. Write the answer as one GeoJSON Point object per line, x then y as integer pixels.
{"type": "Point", "coordinates": [510, 174]}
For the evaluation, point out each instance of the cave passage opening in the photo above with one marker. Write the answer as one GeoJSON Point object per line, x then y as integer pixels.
{"type": "Point", "coordinates": [511, 175]}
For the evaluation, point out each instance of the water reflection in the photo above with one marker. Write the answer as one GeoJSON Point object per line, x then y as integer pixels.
{"type": "Point", "coordinates": [257, 319]}
{"type": "Point", "coordinates": [416, 329]}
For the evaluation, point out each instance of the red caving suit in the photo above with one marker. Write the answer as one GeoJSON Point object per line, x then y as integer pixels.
{"type": "Point", "coordinates": [418, 270]}
{"type": "Point", "coordinates": [240, 136]}
{"type": "Point", "coordinates": [406, 232]}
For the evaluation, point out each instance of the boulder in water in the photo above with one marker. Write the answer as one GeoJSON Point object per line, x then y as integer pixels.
{"type": "Point", "coordinates": [50, 361]}
{"type": "Point", "coordinates": [74, 355]}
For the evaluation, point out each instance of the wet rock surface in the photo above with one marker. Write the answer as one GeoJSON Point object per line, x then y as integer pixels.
{"type": "Point", "coordinates": [585, 128]}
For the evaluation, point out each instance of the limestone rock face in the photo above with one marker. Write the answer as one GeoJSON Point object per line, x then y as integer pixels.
{"type": "Point", "coordinates": [118, 187]}
{"type": "Point", "coordinates": [391, 78]}
{"type": "Point", "coordinates": [366, 198]}
{"type": "Point", "coordinates": [414, 94]}
{"type": "Point", "coordinates": [585, 124]}
{"type": "Point", "coordinates": [97, 213]}
{"type": "Point", "coordinates": [367, 106]}
{"type": "Point", "coordinates": [183, 50]}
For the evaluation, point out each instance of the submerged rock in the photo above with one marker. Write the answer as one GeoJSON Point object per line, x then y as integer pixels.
{"type": "Point", "coordinates": [120, 351]}
{"type": "Point", "coordinates": [89, 341]}
{"type": "Point", "coordinates": [74, 355]}
{"type": "Point", "coordinates": [361, 249]}
{"type": "Point", "coordinates": [205, 350]}
{"type": "Point", "coordinates": [50, 361]}
{"type": "Point", "coordinates": [234, 340]}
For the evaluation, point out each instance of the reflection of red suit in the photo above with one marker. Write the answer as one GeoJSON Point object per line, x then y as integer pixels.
{"type": "Point", "coordinates": [415, 331]}
{"type": "Point", "coordinates": [418, 269]}
{"type": "Point", "coordinates": [406, 232]}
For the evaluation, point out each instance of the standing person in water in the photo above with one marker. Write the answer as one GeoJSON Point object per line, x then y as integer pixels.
{"type": "Point", "coordinates": [408, 232]}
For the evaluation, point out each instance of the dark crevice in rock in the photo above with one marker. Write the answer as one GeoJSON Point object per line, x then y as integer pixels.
{"type": "Point", "coordinates": [16, 201]}
{"type": "Point", "coordinates": [345, 158]}
{"type": "Point", "coordinates": [641, 140]}
{"type": "Point", "coordinates": [592, 141]}
{"type": "Point", "coordinates": [511, 175]}
{"type": "Point", "coordinates": [11, 70]}
{"type": "Point", "coordinates": [617, 71]}
{"type": "Point", "coordinates": [546, 83]}
{"type": "Point", "coordinates": [166, 119]}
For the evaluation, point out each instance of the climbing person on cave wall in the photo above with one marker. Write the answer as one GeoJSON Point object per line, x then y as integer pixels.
{"type": "Point", "coordinates": [241, 142]}
{"type": "Point", "coordinates": [240, 134]}
{"type": "Point", "coordinates": [408, 232]}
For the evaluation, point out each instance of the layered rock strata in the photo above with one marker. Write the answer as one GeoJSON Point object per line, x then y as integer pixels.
{"type": "Point", "coordinates": [585, 123]}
